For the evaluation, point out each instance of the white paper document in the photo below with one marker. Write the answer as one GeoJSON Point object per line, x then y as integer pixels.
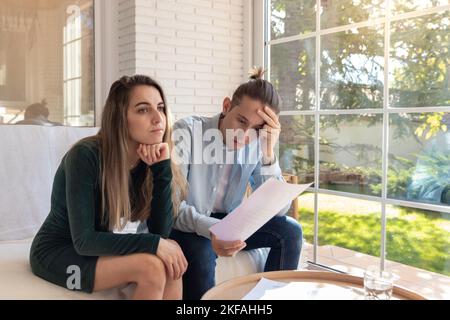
{"type": "Point", "coordinates": [267, 289]}
{"type": "Point", "coordinates": [262, 205]}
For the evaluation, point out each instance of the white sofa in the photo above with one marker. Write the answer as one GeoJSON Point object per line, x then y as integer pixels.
{"type": "Point", "coordinates": [29, 157]}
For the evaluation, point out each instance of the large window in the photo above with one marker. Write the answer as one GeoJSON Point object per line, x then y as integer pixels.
{"type": "Point", "coordinates": [365, 86]}
{"type": "Point", "coordinates": [47, 62]}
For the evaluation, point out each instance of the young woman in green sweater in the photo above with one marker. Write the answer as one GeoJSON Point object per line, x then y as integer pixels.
{"type": "Point", "coordinates": [122, 174]}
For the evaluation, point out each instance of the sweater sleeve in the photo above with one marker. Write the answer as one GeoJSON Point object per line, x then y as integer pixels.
{"type": "Point", "coordinates": [161, 217]}
{"type": "Point", "coordinates": [81, 170]}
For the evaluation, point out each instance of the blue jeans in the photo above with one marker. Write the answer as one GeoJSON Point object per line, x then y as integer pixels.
{"type": "Point", "coordinates": [283, 235]}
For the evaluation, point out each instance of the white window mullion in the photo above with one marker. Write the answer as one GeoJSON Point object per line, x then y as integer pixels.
{"type": "Point", "coordinates": [365, 111]}
{"type": "Point", "coordinates": [317, 135]}
{"type": "Point", "coordinates": [385, 135]}
{"type": "Point", "coordinates": [259, 21]}
{"type": "Point", "coordinates": [388, 201]}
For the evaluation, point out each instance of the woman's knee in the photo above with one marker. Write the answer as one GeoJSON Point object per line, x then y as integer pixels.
{"type": "Point", "coordinates": [173, 289]}
{"type": "Point", "coordinates": [150, 270]}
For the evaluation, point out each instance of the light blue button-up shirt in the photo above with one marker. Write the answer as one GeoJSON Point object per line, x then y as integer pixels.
{"type": "Point", "coordinates": [194, 213]}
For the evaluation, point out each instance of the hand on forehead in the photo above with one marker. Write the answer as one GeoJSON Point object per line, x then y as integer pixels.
{"type": "Point", "coordinates": [269, 116]}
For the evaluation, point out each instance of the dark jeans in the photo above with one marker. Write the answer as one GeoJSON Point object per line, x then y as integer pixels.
{"type": "Point", "coordinates": [283, 235]}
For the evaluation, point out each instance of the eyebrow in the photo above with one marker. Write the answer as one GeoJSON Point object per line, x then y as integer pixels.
{"type": "Point", "coordinates": [148, 104]}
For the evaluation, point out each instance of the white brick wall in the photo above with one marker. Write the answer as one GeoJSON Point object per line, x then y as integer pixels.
{"type": "Point", "coordinates": [194, 48]}
{"type": "Point", "coordinates": [127, 37]}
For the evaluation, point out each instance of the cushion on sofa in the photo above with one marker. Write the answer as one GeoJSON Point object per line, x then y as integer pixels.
{"type": "Point", "coordinates": [18, 282]}
{"type": "Point", "coordinates": [29, 158]}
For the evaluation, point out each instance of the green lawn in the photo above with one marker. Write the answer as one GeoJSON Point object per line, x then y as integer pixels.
{"type": "Point", "coordinates": [415, 237]}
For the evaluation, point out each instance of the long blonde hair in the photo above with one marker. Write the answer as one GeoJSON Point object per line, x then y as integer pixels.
{"type": "Point", "coordinates": [113, 140]}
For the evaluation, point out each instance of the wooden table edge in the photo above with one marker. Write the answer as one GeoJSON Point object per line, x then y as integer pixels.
{"type": "Point", "coordinates": [398, 291]}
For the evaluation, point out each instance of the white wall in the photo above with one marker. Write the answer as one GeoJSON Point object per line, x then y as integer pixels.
{"type": "Point", "coordinates": [194, 48]}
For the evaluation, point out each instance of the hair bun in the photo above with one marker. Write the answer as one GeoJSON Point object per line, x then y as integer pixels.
{"type": "Point", "coordinates": [256, 73]}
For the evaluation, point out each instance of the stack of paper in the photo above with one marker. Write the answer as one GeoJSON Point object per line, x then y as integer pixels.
{"type": "Point", "coordinates": [273, 290]}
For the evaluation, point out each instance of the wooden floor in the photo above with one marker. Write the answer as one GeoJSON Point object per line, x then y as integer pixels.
{"type": "Point", "coordinates": [429, 284]}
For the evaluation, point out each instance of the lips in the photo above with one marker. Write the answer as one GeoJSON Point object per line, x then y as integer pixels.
{"type": "Point", "coordinates": [160, 131]}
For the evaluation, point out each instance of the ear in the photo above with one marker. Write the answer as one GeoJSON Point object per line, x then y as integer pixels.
{"type": "Point", "coordinates": [226, 106]}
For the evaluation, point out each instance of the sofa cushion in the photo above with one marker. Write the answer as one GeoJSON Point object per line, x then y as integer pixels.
{"type": "Point", "coordinates": [18, 282]}
{"type": "Point", "coordinates": [29, 158]}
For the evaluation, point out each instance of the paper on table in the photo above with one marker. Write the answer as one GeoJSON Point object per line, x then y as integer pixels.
{"type": "Point", "coordinates": [262, 204]}
{"type": "Point", "coordinates": [267, 289]}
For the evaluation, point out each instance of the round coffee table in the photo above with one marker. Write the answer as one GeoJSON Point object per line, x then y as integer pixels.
{"type": "Point", "coordinates": [237, 288]}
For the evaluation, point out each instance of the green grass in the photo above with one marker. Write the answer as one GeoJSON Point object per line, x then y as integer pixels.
{"type": "Point", "coordinates": [414, 237]}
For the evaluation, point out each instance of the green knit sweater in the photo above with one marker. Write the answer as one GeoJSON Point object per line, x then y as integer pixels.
{"type": "Point", "coordinates": [76, 204]}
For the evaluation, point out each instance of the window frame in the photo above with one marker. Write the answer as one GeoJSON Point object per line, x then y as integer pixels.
{"type": "Point", "coordinates": [106, 18]}
{"type": "Point", "coordinates": [106, 46]}
{"type": "Point", "coordinates": [261, 56]}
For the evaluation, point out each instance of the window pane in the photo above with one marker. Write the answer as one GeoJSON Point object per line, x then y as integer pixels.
{"type": "Point", "coordinates": [402, 6]}
{"type": "Point", "coordinates": [47, 62]}
{"type": "Point", "coordinates": [350, 153]}
{"type": "Point", "coordinates": [349, 232]}
{"type": "Point", "coordinates": [421, 239]}
{"type": "Point", "coordinates": [87, 117]}
{"type": "Point", "coordinates": [292, 71]}
{"type": "Point", "coordinates": [342, 12]}
{"type": "Point", "coordinates": [419, 157]}
{"type": "Point", "coordinates": [292, 17]}
{"type": "Point", "coordinates": [297, 147]}
{"type": "Point", "coordinates": [419, 61]}
{"type": "Point", "coordinates": [352, 69]}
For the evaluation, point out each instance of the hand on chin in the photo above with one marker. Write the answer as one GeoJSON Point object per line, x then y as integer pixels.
{"type": "Point", "coordinates": [154, 153]}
